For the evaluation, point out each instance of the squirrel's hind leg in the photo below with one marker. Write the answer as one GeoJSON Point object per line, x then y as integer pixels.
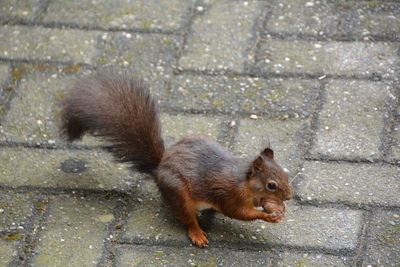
{"type": "Point", "coordinates": [185, 209]}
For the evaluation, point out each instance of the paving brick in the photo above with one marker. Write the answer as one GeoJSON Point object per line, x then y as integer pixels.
{"type": "Point", "coordinates": [274, 97]}
{"type": "Point", "coordinates": [34, 114]}
{"type": "Point", "coordinates": [164, 256]}
{"type": "Point", "coordinates": [395, 148]}
{"type": "Point", "coordinates": [253, 134]}
{"type": "Point", "coordinates": [353, 183]}
{"type": "Point", "coordinates": [383, 241]}
{"type": "Point", "coordinates": [150, 219]}
{"type": "Point", "coordinates": [74, 233]}
{"type": "Point", "coordinates": [336, 18]}
{"type": "Point", "coordinates": [8, 251]}
{"type": "Point", "coordinates": [351, 119]}
{"type": "Point", "coordinates": [144, 14]}
{"type": "Point", "coordinates": [337, 58]}
{"type": "Point", "coordinates": [151, 56]}
{"type": "Point", "coordinates": [327, 228]}
{"type": "Point", "coordinates": [220, 37]}
{"type": "Point", "coordinates": [376, 18]}
{"type": "Point", "coordinates": [36, 43]}
{"type": "Point", "coordinates": [307, 259]}
{"type": "Point", "coordinates": [15, 212]}
{"type": "Point", "coordinates": [20, 9]}
{"type": "Point", "coordinates": [309, 17]}
{"type": "Point", "coordinates": [63, 168]}
{"type": "Point", "coordinates": [4, 73]}
{"type": "Point", "coordinates": [175, 127]}
{"type": "Point", "coordinates": [4, 76]}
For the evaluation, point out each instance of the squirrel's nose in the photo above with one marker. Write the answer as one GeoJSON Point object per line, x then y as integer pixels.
{"type": "Point", "coordinates": [289, 194]}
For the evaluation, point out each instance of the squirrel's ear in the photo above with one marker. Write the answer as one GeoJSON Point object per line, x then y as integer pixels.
{"type": "Point", "coordinates": [268, 153]}
{"type": "Point", "coordinates": [259, 164]}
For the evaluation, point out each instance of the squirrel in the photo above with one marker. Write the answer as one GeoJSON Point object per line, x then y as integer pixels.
{"type": "Point", "coordinates": [194, 174]}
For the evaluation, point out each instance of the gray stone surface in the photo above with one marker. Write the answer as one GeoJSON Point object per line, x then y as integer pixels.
{"type": "Point", "coordinates": [151, 221]}
{"type": "Point", "coordinates": [144, 14]}
{"type": "Point", "coordinates": [351, 183]}
{"type": "Point", "coordinates": [151, 56]}
{"type": "Point", "coordinates": [351, 119]}
{"type": "Point", "coordinates": [18, 9]}
{"type": "Point", "coordinates": [395, 147]}
{"type": "Point", "coordinates": [329, 57]}
{"type": "Point", "coordinates": [74, 233]}
{"type": "Point", "coordinates": [175, 127]}
{"type": "Point", "coordinates": [4, 73]}
{"type": "Point", "coordinates": [15, 213]}
{"type": "Point", "coordinates": [4, 92]}
{"type": "Point", "coordinates": [63, 168]}
{"type": "Point", "coordinates": [163, 256]}
{"type": "Point", "coordinates": [8, 251]}
{"type": "Point", "coordinates": [360, 19]}
{"type": "Point", "coordinates": [221, 37]}
{"type": "Point", "coordinates": [308, 17]}
{"type": "Point", "coordinates": [253, 136]}
{"type": "Point", "coordinates": [371, 18]}
{"type": "Point", "coordinates": [34, 115]}
{"type": "Point", "coordinates": [276, 98]}
{"type": "Point", "coordinates": [383, 247]}
{"type": "Point", "coordinates": [36, 43]}
{"type": "Point", "coordinates": [318, 77]}
{"type": "Point", "coordinates": [327, 228]}
{"type": "Point", "coordinates": [308, 260]}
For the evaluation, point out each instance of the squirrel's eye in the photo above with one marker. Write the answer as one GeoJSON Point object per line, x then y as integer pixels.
{"type": "Point", "coordinates": [272, 185]}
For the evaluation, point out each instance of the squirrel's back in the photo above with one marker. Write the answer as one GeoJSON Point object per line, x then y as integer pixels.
{"type": "Point", "coordinates": [119, 108]}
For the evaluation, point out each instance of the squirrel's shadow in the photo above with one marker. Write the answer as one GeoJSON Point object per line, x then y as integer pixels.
{"type": "Point", "coordinates": [206, 219]}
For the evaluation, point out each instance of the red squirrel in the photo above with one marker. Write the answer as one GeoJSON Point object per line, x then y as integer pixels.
{"type": "Point", "coordinates": [193, 174]}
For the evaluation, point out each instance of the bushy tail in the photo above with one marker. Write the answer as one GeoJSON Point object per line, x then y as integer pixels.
{"type": "Point", "coordinates": [119, 108]}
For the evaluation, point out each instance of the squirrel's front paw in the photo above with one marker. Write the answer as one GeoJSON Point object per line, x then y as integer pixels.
{"type": "Point", "coordinates": [274, 217]}
{"type": "Point", "coordinates": [198, 237]}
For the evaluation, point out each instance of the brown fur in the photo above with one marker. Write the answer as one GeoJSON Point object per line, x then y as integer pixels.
{"type": "Point", "coordinates": [119, 108]}
{"type": "Point", "coordinates": [192, 173]}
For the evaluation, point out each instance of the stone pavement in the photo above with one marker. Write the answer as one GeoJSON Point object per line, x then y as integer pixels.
{"type": "Point", "coordinates": [320, 76]}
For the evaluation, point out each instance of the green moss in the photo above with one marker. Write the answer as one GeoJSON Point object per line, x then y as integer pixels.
{"type": "Point", "coordinates": [301, 262]}
{"type": "Point", "coordinates": [250, 92]}
{"type": "Point", "coordinates": [167, 41]}
{"type": "Point", "coordinates": [44, 67]}
{"type": "Point", "coordinates": [218, 102]}
{"type": "Point", "coordinates": [12, 236]}
{"type": "Point", "coordinates": [102, 60]}
{"type": "Point", "coordinates": [8, 88]}
{"type": "Point", "coordinates": [72, 68]}
{"type": "Point", "coordinates": [18, 71]}
{"type": "Point", "coordinates": [374, 3]}
{"type": "Point", "coordinates": [389, 235]}
{"type": "Point", "coordinates": [59, 94]}
{"type": "Point", "coordinates": [108, 196]}
{"type": "Point", "coordinates": [344, 5]}
{"type": "Point", "coordinates": [45, 132]}
{"type": "Point", "coordinates": [118, 226]}
{"type": "Point", "coordinates": [367, 22]}
{"type": "Point", "coordinates": [275, 94]}
{"type": "Point", "coordinates": [259, 84]}
{"type": "Point", "coordinates": [210, 262]}
{"type": "Point", "coordinates": [158, 253]}
{"type": "Point", "coordinates": [40, 205]}
{"type": "Point", "coordinates": [145, 24]}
